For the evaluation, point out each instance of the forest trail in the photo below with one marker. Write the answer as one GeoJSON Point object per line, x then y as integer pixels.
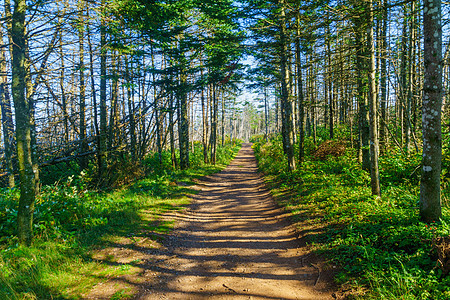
{"type": "Point", "coordinates": [231, 243]}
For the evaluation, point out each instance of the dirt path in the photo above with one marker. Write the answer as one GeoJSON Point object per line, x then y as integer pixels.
{"type": "Point", "coordinates": [231, 243]}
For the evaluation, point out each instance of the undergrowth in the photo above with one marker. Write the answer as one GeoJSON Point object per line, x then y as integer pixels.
{"type": "Point", "coordinates": [380, 247]}
{"type": "Point", "coordinates": [71, 220]}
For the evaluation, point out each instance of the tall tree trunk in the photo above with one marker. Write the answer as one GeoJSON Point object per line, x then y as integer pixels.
{"type": "Point", "coordinates": [408, 85]}
{"type": "Point", "coordinates": [313, 103]}
{"type": "Point", "coordinates": [83, 143]}
{"type": "Point", "coordinates": [266, 113]}
{"type": "Point", "coordinates": [411, 80]}
{"type": "Point", "coordinates": [383, 76]}
{"type": "Point", "coordinates": [403, 85]}
{"type": "Point", "coordinates": [430, 190]}
{"type": "Point", "coordinates": [6, 115]}
{"type": "Point", "coordinates": [329, 85]}
{"type": "Point", "coordinates": [373, 111]}
{"type": "Point", "coordinates": [112, 129]}
{"type": "Point", "coordinates": [183, 122]}
{"type": "Point", "coordinates": [301, 106]}
{"type": "Point", "coordinates": [214, 109]}
{"type": "Point", "coordinates": [223, 117]}
{"type": "Point", "coordinates": [102, 151]}
{"type": "Point", "coordinates": [23, 125]}
{"type": "Point", "coordinates": [63, 91]}
{"type": "Point", "coordinates": [286, 101]}
{"type": "Point", "coordinates": [204, 126]}
{"type": "Point", "coordinates": [131, 110]}
{"type": "Point", "coordinates": [29, 96]}
{"type": "Point", "coordinates": [94, 95]}
{"type": "Point", "coordinates": [157, 111]}
{"type": "Point", "coordinates": [172, 133]}
{"type": "Point", "coordinates": [362, 101]}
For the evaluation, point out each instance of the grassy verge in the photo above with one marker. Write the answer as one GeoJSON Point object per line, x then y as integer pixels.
{"type": "Point", "coordinates": [378, 245]}
{"type": "Point", "coordinates": [71, 222]}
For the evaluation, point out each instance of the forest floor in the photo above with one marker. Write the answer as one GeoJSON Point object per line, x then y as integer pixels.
{"type": "Point", "coordinates": [232, 242]}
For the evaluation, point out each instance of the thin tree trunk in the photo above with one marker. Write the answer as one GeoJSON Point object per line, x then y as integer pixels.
{"type": "Point", "coordinates": [213, 139]}
{"type": "Point", "coordinates": [94, 95]}
{"type": "Point", "coordinates": [313, 103]}
{"type": "Point", "coordinates": [112, 130]}
{"type": "Point", "coordinates": [102, 152]}
{"type": "Point", "coordinates": [223, 118]}
{"type": "Point", "coordinates": [383, 76]}
{"type": "Point", "coordinates": [266, 113]}
{"type": "Point", "coordinates": [374, 144]}
{"type": "Point", "coordinates": [362, 102]}
{"type": "Point", "coordinates": [29, 96]}
{"type": "Point", "coordinates": [63, 91]}
{"type": "Point", "coordinates": [131, 110]}
{"type": "Point", "coordinates": [83, 143]}
{"type": "Point", "coordinates": [6, 114]}
{"type": "Point", "coordinates": [183, 122]}
{"type": "Point", "coordinates": [157, 112]}
{"type": "Point", "coordinates": [204, 126]}
{"type": "Point", "coordinates": [329, 86]}
{"type": "Point", "coordinates": [403, 86]}
{"type": "Point", "coordinates": [172, 134]}
{"type": "Point", "coordinates": [301, 108]}
{"type": "Point", "coordinates": [410, 100]}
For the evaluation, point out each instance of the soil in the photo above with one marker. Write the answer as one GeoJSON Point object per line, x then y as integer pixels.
{"type": "Point", "coordinates": [232, 242]}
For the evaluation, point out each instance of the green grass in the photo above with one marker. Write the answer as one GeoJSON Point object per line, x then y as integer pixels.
{"type": "Point", "coordinates": [71, 222]}
{"type": "Point", "coordinates": [380, 247]}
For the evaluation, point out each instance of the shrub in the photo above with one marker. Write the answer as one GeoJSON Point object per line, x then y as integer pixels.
{"type": "Point", "coordinates": [377, 243]}
{"type": "Point", "coordinates": [398, 168]}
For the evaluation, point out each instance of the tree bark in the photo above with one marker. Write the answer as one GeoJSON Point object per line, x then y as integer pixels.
{"type": "Point", "coordinates": [286, 101]}
{"type": "Point", "coordinates": [172, 133]}
{"type": "Point", "coordinates": [213, 138]}
{"type": "Point", "coordinates": [94, 95]}
{"type": "Point", "coordinates": [23, 125]}
{"type": "Point", "coordinates": [383, 76]}
{"type": "Point", "coordinates": [103, 132]}
{"type": "Point", "coordinates": [183, 122]}
{"type": "Point", "coordinates": [6, 115]}
{"type": "Point", "coordinates": [301, 105]}
{"type": "Point", "coordinates": [204, 125]}
{"type": "Point", "coordinates": [62, 87]}
{"type": "Point", "coordinates": [266, 113]}
{"type": "Point", "coordinates": [223, 118]}
{"type": "Point", "coordinates": [430, 191]}
{"type": "Point", "coordinates": [364, 131]}
{"type": "Point", "coordinates": [329, 86]}
{"type": "Point", "coordinates": [112, 128]}
{"type": "Point", "coordinates": [373, 111]}
{"type": "Point", "coordinates": [157, 112]}
{"type": "Point", "coordinates": [131, 109]}
{"type": "Point", "coordinates": [82, 104]}
{"type": "Point", "coordinates": [403, 113]}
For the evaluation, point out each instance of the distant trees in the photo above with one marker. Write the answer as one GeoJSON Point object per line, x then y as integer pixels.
{"type": "Point", "coordinates": [99, 86]}
{"type": "Point", "coordinates": [361, 71]}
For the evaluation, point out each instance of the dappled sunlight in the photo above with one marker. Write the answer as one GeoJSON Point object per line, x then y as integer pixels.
{"type": "Point", "coordinates": [230, 243]}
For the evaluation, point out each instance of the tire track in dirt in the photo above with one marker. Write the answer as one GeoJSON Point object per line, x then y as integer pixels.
{"type": "Point", "coordinates": [233, 243]}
